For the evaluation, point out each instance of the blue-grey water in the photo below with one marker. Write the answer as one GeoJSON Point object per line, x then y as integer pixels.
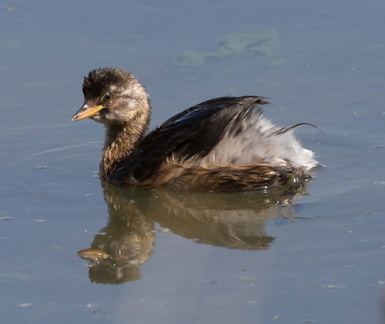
{"type": "Point", "coordinates": [312, 254]}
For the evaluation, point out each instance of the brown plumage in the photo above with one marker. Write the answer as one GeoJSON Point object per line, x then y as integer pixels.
{"type": "Point", "coordinates": [222, 143]}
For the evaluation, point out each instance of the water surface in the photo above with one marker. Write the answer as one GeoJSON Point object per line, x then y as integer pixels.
{"type": "Point", "coordinates": [309, 254]}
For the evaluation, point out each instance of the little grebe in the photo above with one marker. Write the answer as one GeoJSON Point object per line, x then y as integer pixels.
{"type": "Point", "coordinates": [222, 143]}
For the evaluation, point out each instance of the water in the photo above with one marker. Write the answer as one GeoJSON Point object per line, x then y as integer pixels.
{"type": "Point", "coordinates": [196, 258]}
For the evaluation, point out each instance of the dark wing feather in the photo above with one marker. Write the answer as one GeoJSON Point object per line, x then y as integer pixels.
{"type": "Point", "coordinates": [291, 128]}
{"type": "Point", "coordinates": [193, 132]}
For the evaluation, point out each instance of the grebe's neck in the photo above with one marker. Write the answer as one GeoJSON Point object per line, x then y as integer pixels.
{"type": "Point", "coordinates": [122, 138]}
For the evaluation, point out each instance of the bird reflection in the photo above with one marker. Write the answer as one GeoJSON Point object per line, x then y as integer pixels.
{"type": "Point", "coordinates": [234, 220]}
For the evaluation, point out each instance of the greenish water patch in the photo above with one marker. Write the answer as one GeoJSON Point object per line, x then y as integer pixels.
{"type": "Point", "coordinates": [258, 44]}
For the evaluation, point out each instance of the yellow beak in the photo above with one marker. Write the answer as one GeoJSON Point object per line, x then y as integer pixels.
{"type": "Point", "coordinates": [85, 112]}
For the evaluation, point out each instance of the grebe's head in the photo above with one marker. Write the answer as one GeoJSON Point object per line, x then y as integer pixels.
{"type": "Point", "coordinates": [113, 96]}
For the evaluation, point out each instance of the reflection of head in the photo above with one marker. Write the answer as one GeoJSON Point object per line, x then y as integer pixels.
{"type": "Point", "coordinates": [127, 252]}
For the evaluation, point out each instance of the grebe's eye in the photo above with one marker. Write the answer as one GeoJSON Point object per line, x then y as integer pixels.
{"type": "Point", "coordinates": [107, 97]}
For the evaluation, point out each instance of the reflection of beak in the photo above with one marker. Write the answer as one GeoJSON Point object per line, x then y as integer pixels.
{"type": "Point", "coordinates": [85, 112]}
